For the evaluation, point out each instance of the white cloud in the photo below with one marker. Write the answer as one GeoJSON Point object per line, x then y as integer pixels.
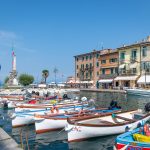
{"type": "Point", "coordinates": [6, 35]}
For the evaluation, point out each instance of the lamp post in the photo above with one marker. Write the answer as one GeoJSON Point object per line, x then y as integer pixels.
{"type": "Point", "coordinates": [145, 73]}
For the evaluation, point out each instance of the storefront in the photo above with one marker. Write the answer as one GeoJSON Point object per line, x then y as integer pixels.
{"type": "Point", "coordinates": [126, 81]}
{"type": "Point", "coordinates": [144, 81]}
{"type": "Point", "coordinates": [106, 83]}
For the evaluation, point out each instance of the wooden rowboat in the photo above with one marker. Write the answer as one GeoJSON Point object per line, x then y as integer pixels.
{"type": "Point", "coordinates": [81, 129]}
{"type": "Point", "coordinates": [46, 123]}
{"type": "Point", "coordinates": [27, 117]}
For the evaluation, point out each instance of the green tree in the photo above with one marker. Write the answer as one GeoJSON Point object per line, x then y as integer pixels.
{"type": "Point", "coordinates": [45, 74]}
{"type": "Point", "coordinates": [25, 79]}
{"type": "Point", "coordinates": [6, 80]}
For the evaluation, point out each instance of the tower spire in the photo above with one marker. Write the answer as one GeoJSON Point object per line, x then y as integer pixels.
{"type": "Point", "coordinates": [13, 59]}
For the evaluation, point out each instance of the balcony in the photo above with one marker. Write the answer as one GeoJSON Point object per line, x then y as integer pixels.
{"type": "Point", "coordinates": [127, 72]}
{"type": "Point", "coordinates": [108, 76]}
{"type": "Point", "coordinates": [87, 69]}
{"type": "Point", "coordinates": [82, 69]}
{"type": "Point", "coordinates": [133, 59]}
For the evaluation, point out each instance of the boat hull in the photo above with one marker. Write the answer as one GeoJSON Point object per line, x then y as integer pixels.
{"type": "Point", "coordinates": [79, 131]}
{"type": "Point", "coordinates": [25, 118]}
{"type": "Point", "coordinates": [46, 125]}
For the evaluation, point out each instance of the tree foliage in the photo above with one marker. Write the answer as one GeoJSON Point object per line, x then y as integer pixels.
{"type": "Point", "coordinates": [25, 79]}
{"type": "Point", "coordinates": [45, 74]}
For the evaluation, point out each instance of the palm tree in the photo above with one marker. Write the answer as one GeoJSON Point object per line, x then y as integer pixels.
{"type": "Point", "coordinates": [55, 72]}
{"type": "Point", "coordinates": [45, 74]}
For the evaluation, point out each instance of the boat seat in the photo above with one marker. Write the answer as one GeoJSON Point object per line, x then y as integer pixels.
{"type": "Point", "coordinates": [106, 122]}
{"type": "Point", "coordinates": [123, 118]}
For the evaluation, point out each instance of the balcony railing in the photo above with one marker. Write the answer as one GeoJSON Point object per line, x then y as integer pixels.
{"type": "Point", "coordinates": [87, 69]}
{"type": "Point", "coordinates": [108, 76]}
{"type": "Point", "coordinates": [133, 59]}
{"type": "Point", "coordinates": [127, 72]}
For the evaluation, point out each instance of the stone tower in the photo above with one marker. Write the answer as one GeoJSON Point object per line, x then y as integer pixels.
{"type": "Point", "coordinates": [13, 74]}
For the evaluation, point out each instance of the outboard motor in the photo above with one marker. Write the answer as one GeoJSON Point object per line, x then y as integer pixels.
{"type": "Point", "coordinates": [147, 107]}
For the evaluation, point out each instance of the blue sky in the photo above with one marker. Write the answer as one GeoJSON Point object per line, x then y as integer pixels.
{"type": "Point", "coordinates": [48, 33]}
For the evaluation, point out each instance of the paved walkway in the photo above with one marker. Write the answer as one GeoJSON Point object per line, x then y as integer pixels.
{"type": "Point", "coordinates": [6, 142]}
{"type": "Point", "coordinates": [104, 90]}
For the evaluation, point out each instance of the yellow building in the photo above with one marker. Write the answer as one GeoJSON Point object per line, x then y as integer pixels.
{"type": "Point", "coordinates": [130, 66]}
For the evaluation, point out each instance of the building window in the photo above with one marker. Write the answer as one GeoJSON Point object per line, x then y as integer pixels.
{"type": "Point", "coordinates": [113, 60]}
{"type": "Point", "coordinates": [134, 70]}
{"type": "Point", "coordinates": [77, 59]}
{"type": "Point", "coordinates": [97, 64]}
{"type": "Point", "coordinates": [97, 73]}
{"type": "Point", "coordinates": [87, 75]}
{"type": "Point", "coordinates": [87, 57]}
{"type": "Point", "coordinates": [77, 66]}
{"type": "Point", "coordinates": [103, 71]}
{"type": "Point", "coordinates": [82, 58]}
{"type": "Point", "coordinates": [134, 54]}
{"type": "Point", "coordinates": [111, 70]}
{"type": "Point", "coordinates": [90, 65]}
{"type": "Point", "coordinates": [97, 56]}
{"type": "Point", "coordinates": [82, 66]}
{"type": "Point", "coordinates": [90, 56]}
{"type": "Point", "coordinates": [90, 74]}
{"type": "Point", "coordinates": [122, 55]}
{"type": "Point", "coordinates": [87, 65]}
{"type": "Point", "coordinates": [77, 75]}
{"type": "Point", "coordinates": [103, 61]}
{"type": "Point", "coordinates": [144, 51]}
{"type": "Point", "coordinates": [116, 70]}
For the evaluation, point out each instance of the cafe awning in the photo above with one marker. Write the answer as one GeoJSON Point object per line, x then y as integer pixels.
{"type": "Point", "coordinates": [122, 78]}
{"type": "Point", "coordinates": [144, 79]}
{"type": "Point", "coordinates": [105, 81]}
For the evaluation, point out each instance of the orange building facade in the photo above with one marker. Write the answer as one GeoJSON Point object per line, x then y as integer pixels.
{"type": "Point", "coordinates": [87, 68]}
{"type": "Point", "coordinates": [108, 67]}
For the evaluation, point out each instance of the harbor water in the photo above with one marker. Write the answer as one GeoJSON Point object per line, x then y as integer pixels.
{"type": "Point", "coordinates": [57, 140]}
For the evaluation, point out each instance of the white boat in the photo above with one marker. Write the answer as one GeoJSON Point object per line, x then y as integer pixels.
{"type": "Point", "coordinates": [46, 123]}
{"type": "Point", "coordinates": [27, 117]}
{"type": "Point", "coordinates": [117, 123]}
{"type": "Point", "coordinates": [141, 92]}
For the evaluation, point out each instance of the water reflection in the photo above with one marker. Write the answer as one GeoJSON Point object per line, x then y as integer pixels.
{"type": "Point", "coordinates": [102, 143]}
